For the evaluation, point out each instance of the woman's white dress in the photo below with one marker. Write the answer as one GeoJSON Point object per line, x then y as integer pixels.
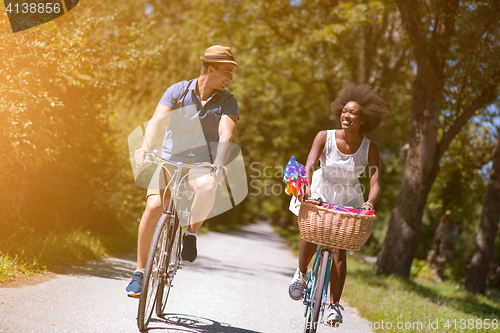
{"type": "Point", "coordinates": [336, 181]}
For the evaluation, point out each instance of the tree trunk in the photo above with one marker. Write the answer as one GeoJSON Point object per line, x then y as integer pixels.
{"type": "Point", "coordinates": [488, 229]}
{"type": "Point", "coordinates": [442, 246]}
{"type": "Point", "coordinates": [425, 152]}
{"type": "Point", "coordinates": [420, 172]}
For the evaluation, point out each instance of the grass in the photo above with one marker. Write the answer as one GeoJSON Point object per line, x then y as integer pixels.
{"type": "Point", "coordinates": [23, 255]}
{"type": "Point", "coordinates": [31, 254]}
{"type": "Point", "coordinates": [27, 255]}
{"type": "Point", "coordinates": [291, 236]}
{"type": "Point", "coordinates": [418, 304]}
{"type": "Point", "coordinates": [11, 268]}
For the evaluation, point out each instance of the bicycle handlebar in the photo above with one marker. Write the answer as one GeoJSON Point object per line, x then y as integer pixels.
{"type": "Point", "coordinates": [318, 200]}
{"type": "Point", "coordinates": [154, 156]}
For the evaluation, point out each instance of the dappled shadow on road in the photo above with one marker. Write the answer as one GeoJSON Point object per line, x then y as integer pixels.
{"type": "Point", "coordinates": [193, 324]}
{"type": "Point", "coordinates": [288, 272]}
{"type": "Point", "coordinates": [205, 264]}
{"type": "Point", "coordinates": [261, 232]}
{"type": "Point", "coordinates": [121, 268]}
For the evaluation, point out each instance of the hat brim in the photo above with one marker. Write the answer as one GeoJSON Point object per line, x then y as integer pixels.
{"type": "Point", "coordinates": [220, 61]}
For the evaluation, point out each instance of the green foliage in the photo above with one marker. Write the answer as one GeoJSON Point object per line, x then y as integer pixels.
{"type": "Point", "coordinates": [64, 159]}
{"type": "Point", "coordinates": [73, 89]}
{"type": "Point", "coordinates": [396, 300]}
{"type": "Point", "coordinates": [11, 268]}
{"type": "Point", "coordinates": [294, 58]}
{"type": "Point", "coordinates": [458, 192]}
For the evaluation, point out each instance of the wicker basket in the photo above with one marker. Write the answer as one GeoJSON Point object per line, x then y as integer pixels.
{"type": "Point", "coordinates": [340, 230]}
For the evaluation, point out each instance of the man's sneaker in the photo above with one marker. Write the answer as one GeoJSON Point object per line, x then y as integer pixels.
{"type": "Point", "coordinates": [188, 253]}
{"type": "Point", "coordinates": [297, 286]}
{"type": "Point", "coordinates": [134, 287]}
{"type": "Point", "coordinates": [334, 317]}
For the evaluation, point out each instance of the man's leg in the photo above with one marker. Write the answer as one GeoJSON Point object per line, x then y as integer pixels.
{"type": "Point", "coordinates": [203, 202]}
{"type": "Point", "coordinates": [149, 219]}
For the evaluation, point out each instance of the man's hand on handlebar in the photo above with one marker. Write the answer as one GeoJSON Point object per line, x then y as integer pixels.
{"type": "Point", "coordinates": [220, 172]}
{"type": "Point", "coordinates": [140, 154]}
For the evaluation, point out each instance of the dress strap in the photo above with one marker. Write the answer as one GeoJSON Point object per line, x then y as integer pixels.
{"type": "Point", "coordinates": [329, 143]}
{"type": "Point", "coordinates": [365, 147]}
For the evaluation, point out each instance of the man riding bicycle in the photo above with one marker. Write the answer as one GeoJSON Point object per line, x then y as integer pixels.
{"type": "Point", "coordinates": [198, 112]}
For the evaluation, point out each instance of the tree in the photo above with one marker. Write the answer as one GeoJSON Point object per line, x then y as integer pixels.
{"type": "Point", "coordinates": [63, 85]}
{"type": "Point", "coordinates": [456, 58]}
{"type": "Point", "coordinates": [294, 57]}
{"type": "Point", "coordinates": [488, 229]}
{"type": "Point", "coordinates": [457, 192]}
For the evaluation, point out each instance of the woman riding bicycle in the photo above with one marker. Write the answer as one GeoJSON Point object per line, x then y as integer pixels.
{"type": "Point", "coordinates": [343, 154]}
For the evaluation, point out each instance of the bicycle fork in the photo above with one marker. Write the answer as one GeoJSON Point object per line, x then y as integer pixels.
{"type": "Point", "coordinates": [167, 269]}
{"type": "Point", "coordinates": [324, 299]}
{"type": "Point", "coordinates": [308, 297]}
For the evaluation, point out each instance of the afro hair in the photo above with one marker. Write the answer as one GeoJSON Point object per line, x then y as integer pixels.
{"type": "Point", "coordinates": [372, 105]}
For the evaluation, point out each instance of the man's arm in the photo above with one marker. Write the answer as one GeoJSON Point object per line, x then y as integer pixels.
{"type": "Point", "coordinates": [227, 127]}
{"type": "Point", "coordinates": [159, 119]}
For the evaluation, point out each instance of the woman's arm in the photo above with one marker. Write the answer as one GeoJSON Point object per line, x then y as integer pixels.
{"type": "Point", "coordinates": [313, 157]}
{"type": "Point", "coordinates": [374, 174]}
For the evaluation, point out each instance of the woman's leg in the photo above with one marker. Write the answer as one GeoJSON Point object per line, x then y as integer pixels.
{"type": "Point", "coordinates": [298, 284]}
{"type": "Point", "coordinates": [307, 251]}
{"type": "Point", "coordinates": [337, 275]}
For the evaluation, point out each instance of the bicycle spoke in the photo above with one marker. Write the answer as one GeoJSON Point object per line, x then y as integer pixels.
{"type": "Point", "coordinates": [317, 293]}
{"type": "Point", "coordinates": [171, 266]}
{"type": "Point", "coordinates": [152, 274]}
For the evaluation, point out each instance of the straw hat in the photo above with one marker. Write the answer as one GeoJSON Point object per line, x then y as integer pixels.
{"type": "Point", "coordinates": [220, 54]}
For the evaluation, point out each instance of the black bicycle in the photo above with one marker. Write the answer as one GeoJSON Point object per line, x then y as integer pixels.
{"type": "Point", "coordinates": [164, 253]}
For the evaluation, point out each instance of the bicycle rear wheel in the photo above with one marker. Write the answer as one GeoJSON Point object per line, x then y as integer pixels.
{"type": "Point", "coordinates": [172, 263]}
{"type": "Point", "coordinates": [317, 296]}
{"type": "Point", "coordinates": [152, 273]}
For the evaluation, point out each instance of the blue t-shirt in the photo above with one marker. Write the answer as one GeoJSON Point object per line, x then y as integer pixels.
{"type": "Point", "coordinates": [193, 130]}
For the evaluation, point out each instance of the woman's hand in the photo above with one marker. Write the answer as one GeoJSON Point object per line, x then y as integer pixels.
{"type": "Point", "coordinates": [306, 193]}
{"type": "Point", "coordinates": [367, 206]}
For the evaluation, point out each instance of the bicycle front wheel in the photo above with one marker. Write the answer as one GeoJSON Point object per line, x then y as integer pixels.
{"type": "Point", "coordinates": [317, 296]}
{"type": "Point", "coordinates": [152, 273]}
{"type": "Point", "coordinates": [171, 264]}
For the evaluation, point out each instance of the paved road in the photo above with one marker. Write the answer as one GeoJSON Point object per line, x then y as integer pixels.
{"type": "Point", "coordinates": [239, 284]}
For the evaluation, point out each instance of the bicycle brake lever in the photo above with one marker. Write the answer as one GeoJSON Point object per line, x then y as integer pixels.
{"type": "Point", "coordinates": [318, 200]}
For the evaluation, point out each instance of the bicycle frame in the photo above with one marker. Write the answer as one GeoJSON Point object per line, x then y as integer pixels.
{"type": "Point", "coordinates": [155, 157]}
{"type": "Point", "coordinates": [160, 270]}
{"type": "Point", "coordinates": [310, 290]}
